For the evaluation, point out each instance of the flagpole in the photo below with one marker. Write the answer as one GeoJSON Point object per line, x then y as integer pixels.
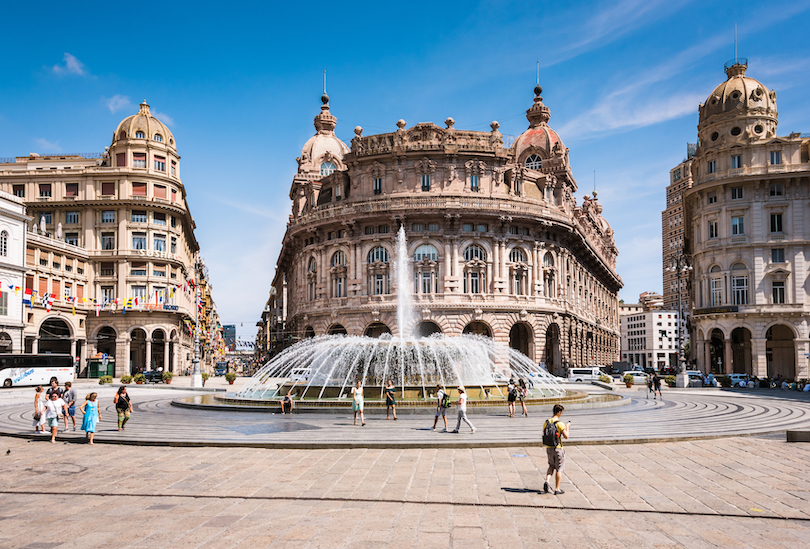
{"type": "Point", "coordinates": [196, 376]}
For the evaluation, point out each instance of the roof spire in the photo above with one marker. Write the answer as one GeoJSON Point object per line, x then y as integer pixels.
{"type": "Point", "coordinates": [538, 113]}
{"type": "Point", "coordinates": [324, 97]}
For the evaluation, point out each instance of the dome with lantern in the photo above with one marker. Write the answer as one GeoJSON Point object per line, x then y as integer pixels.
{"type": "Point", "coordinates": [323, 153]}
{"type": "Point", "coordinates": [144, 126]}
{"type": "Point", "coordinates": [538, 144]}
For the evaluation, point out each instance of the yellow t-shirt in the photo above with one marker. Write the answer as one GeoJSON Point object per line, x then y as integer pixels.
{"type": "Point", "coordinates": [560, 427]}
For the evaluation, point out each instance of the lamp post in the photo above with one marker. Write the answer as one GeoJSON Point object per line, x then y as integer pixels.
{"type": "Point", "coordinates": [680, 267]}
{"type": "Point", "coordinates": [196, 376]}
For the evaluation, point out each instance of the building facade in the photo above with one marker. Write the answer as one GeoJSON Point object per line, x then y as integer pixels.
{"type": "Point", "coordinates": [111, 252]}
{"type": "Point", "coordinates": [748, 227]}
{"type": "Point", "coordinates": [497, 243]}
{"type": "Point", "coordinates": [12, 271]}
{"type": "Point", "coordinates": [650, 338]}
{"type": "Point", "coordinates": [673, 231]}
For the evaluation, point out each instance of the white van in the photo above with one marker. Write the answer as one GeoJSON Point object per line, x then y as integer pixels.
{"type": "Point", "coordinates": [580, 375]}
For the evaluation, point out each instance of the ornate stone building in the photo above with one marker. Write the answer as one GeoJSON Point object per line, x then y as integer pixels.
{"type": "Point", "coordinates": [496, 240]}
{"type": "Point", "coordinates": [672, 233]}
{"type": "Point", "coordinates": [747, 228]}
{"type": "Point", "coordinates": [112, 241]}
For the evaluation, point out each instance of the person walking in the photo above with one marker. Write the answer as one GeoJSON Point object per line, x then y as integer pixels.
{"type": "Point", "coordinates": [52, 411]}
{"type": "Point", "coordinates": [462, 410]}
{"type": "Point", "coordinates": [70, 397]}
{"type": "Point", "coordinates": [39, 410]}
{"type": "Point", "coordinates": [554, 431]}
{"type": "Point", "coordinates": [657, 386]}
{"type": "Point", "coordinates": [523, 393]}
{"type": "Point", "coordinates": [390, 401]}
{"type": "Point", "coordinates": [511, 396]}
{"type": "Point", "coordinates": [54, 388]}
{"type": "Point", "coordinates": [123, 406]}
{"type": "Point", "coordinates": [357, 402]}
{"type": "Point", "coordinates": [92, 415]}
{"type": "Point", "coordinates": [442, 403]}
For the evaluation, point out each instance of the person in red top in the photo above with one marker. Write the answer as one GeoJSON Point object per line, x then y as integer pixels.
{"type": "Point", "coordinates": [556, 454]}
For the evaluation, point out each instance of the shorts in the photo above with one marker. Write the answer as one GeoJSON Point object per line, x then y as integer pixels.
{"type": "Point", "coordinates": [357, 406]}
{"type": "Point", "coordinates": [53, 422]}
{"type": "Point", "coordinates": [71, 411]}
{"type": "Point", "coordinates": [441, 411]}
{"type": "Point", "coordinates": [556, 459]}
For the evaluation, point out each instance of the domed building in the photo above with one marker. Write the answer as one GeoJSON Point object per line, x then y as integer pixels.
{"type": "Point", "coordinates": [111, 252]}
{"type": "Point", "coordinates": [747, 234]}
{"type": "Point", "coordinates": [497, 243]}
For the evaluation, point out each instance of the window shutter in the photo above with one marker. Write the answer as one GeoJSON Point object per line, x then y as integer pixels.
{"type": "Point", "coordinates": [108, 189]}
{"type": "Point", "coordinates": [139, 156]}
{"type": "Point", "coordinates": [160, 191]}
{"type": "Point", "coordinates": [29, 256]}
{"type": "Point", "coordinates": [80, 291]}
{"type": "Point", "coordinates": [174, 195]}
{"type": "Point", "coordinates": [139, 189]}
{"type": "Point", "coordinates": [121, 159]}
{"type": "Point", "coordinates": [57, 285]}
{"type": "Point", "coordinates": [29, 282]}
{"type": "Point", "coordinates": [43, 286]}
{"type": "Point", "coordinates": [72, 189]}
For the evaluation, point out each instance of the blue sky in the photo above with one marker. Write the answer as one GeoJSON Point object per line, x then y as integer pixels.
{"type": "Point", "coordinates": [239, 85]}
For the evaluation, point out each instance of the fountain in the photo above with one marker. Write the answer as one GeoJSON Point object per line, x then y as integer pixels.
{"type": "Point", "coordinates": [322, 370]}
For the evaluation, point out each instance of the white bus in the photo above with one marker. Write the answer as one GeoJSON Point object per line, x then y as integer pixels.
{"type": "Point", "coordinates": [17, 369]}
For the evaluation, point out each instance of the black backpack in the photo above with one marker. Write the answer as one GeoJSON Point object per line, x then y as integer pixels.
{"type": "Point", "coordinates": [445, 400]}
{"type": "Point", "coordinates": [513, 392]}
{"type": "Point", "coordinates": [551, 435]}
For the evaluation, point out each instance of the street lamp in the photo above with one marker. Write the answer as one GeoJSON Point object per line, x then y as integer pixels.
{"type": "Point", "coordinates": [196, 376]}
{"type": "Point", "coordinates": [680, 267]}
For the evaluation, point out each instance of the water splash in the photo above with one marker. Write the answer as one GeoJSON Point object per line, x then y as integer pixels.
{"type": "Point", "coordinates": [404, 285]}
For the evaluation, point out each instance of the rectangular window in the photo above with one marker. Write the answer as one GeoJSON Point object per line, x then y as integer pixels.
{"type": "Point", "coordinates": [43, 286]}
{"type": "Point", "coordinates": [139, 291]}
{"type": "Point", "coordinates": [138, 269]}
{"type": "Point", "coordinates": [108, 216]}
{"type": "Point", "coordinates": [47, 215]}
{"type": "Point", "coordinates": [778, 291]}
{"type": "Point", "coordinates": [712, 166]}
{"type": "Point", "coordinates": [711, 198]}
{"type": "Point", "coordinates": [4, 304]}
{"type": "Point", "coordinates": [776, 223]}
{"type": "Point", "coordinates": [481, 228]}
{"type": "Point", "coordinates": [379, 284]}
{"type": "Point", "coordinates": [475, 283]}
{"type": "Point", "coordinates": [777, 255]}
{"type": "Point", "coordinates": [467, 227]}
{"type": "Point", "coordinates": [71, 190]}
{"type": "Point", "coordinates": [736, 193]}
{"type": "Point", "coordinates": [736, 161]}
{"type": "Point", "coordinates": [19, 190]}
{"type": "Point", "coordinates": [737, 225]}
{"type": "Point", "coordinates": [174, 172]}
{"type": "Point", "coordinates": [108, 269]}
{"type": "Point", "coordinates": [174, 222]}
{"type": "Point", "coordinates": [369, 230]}
{"type": "Point", "coordinates": [138, 216]}
{"type": "Point", "coordinates": [776, 189]}
{"type": "Point", "coordinates": [68, 290]}
{"type": "Point", "coordinates": [716, 292]}
{"type": "Point", "coordinates": [426, 286]}
{"type": "Point", "coordinates": [474, 183]}
{"type": "Point", "coordinates": [174, 195]}
{"type": "Point", "coordinates": [44, 189]}
{"type": "Point", "coordinates": [776, 158]}
{"type": "Point", "coordinates": [159, 270]}
{"type": "Point", "coordinates": [107, 241]}
{"type": "Point", "coordinates": [80, 267]}
{"type": "Point", "coordinates": [107, 294]}
{"type": "Point", "coordinates": [519, 187]}
{"type": "Point", "coordinates": [29, 256]}
{"type": "Point", "coordinates": [676, 175]}
{"type": "Point", "coordinates": [417, 227]}
{"type": "Point", "coordinates": [433, 227]}
{"type": "Point", "coordinates": [57, 288]}
{"type": "Point", "coordinates": [121, 160]}
{"type": "Point", "coordinates": [382, 229]}
{"type": "Point", "coordinates": [159, 218]}
{"type": "Point", "coordinates": [425, 182]}
{"type": "Point", "coordinates": [160, 191]}
{"type": "Point", "coordinates": [739, 290]}
{"type": "Point", "coordinates": [160, 243]}
{"type": "Point", "coordinates": [174, 246]}
{"type": "Point", "coordinates": [138, 241]}
{"type": "Point", "coordinates": [378, 185]}
{"type": "Point", "coordinates": [108, 189]}
{"type": "Point", "coordinates": [338, 192]}
{"type": "Point", "coordinates": [139, 189]}
{"type": "Point", "coordinates": [72, 238]}
{"type": "Point", "coordinates": [138, 160]}
{"type": "Point", "coordinates": [160, 163]}
{"type": "Point", "coordinates": [71, 218]}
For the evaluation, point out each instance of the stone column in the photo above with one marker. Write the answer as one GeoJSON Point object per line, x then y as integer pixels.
{"type": "Point", "coordinates": [175, 356]}
{"type": "Point", "coordinates": [73, 348]}
{"type": "Point", "coordinates": [728, 355]}
{"type": "Point", "coordinates": [83, 356]}
{"type": "Point", "coordinates": [166, 366]}
{"type": "Point", "coordinates": [35, 345]}
{"type": "Point", "coordinates": [148, 365]}
{"type": "Point", "coordinates": [122, 366]}
{"type": "Point", "coordinates": [707, 356]}
{"type": "Point", "coordinates": [448, 268]}
{"type": "Point", "coordinates": [801, 358]}
{"type": "Point", "coordinates": [759, 359]}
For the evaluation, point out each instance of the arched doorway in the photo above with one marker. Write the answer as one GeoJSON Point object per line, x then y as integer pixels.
{"type": "Point", "coordinates": [780, 352]}
{"type": "Point", "coordinates": [426, 328]}
{"type": "Point", "coordinates": [553, 357]}
{"type": "Point", "coordinates": [476, 327]}
{"type": "Point", "coordinates": [309, 332]}
{"type": "Point", "coordinates": [717, 352]}
{"type": "Point", "coordinates": [6, 345]}
{"type": "Point", "coordinates": [158, 358]}
{"type": "Point", "coordinates": [137, 351]}
{"type": "Point", "coordinates": [520, 337]}
{"type": "Point", "coordinates": [741, 350]}
{"type": "Point", "coordinates": [105, 341]}
{"type": "Point", "coordinates": [336, 329]}
{"type": "Point", "coordinates": [54, 336]}
{"type": "Point", "coordinates": [376, 329]}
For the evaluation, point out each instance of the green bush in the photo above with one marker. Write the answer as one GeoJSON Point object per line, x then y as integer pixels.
{"type": "Point", "coordinates": [671, 381]}
{"type": "Point", "coordinates": [605, 378]}
{"type": "Point", "coordinates": [105, 380]}
{"type": "Point", "coordinates": [139, 378]}
{"type": "Point", "coordinates": [230, 376]}
{"type": "Point", "coordinates": [629, 379]}
{"type": "Point", "coordinates": [724, 381]}
{"type": "Point", "coordinates": [205, 376]}
{"type": "Point", "coordinates": [126, 380]}
{"type": "Point", "coordinates": [167, 375]}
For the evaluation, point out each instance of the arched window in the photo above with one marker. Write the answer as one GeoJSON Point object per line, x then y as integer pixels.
{"type": "Point", "coordinates": [517, 255]}
{"type": "Point", "coordinates": [4, 244]}
{"type": "Point", "coordinates": [158, 138]}
{"type": "Point", "coordinates": [378, 279]}
{"type": "Point", "coordinates": [534, 162]}
{"type": "Point", "coordinates": [140, 135]}
{"type": "Point", "coordinates": [122, 135]}
{"type": "Point", "coordinates": [327, 168]}
{"type": "Point", "coordinates": [739, 284]}
{"type": "Point", "coordinates": [378, 255]}
{"type": "Point", "coordinates": [518, 272]}
{"type": "Point", "coordinates": [338, 274]}
{"type": "Point", "coordinates": [312, 279]}
{"type": "Point", "coordinates": [426, 269]}
{"type": "Point", "coordinates": [339, 259]}
{"type": "Point", "coordinates": [550, 285]}
{"type": "Point", "coordinates": [475, 252]}
{"type": "Point", "coordinates": [715, 287]}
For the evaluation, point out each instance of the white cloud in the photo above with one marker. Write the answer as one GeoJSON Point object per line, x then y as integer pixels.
{"type": "Point", "coordinates": [118, 102]}
{"type": "Point", "coordinates": [71, 66]}
{"type": "Point", "coordinates": [47, 146]}
{"type": "Point", "coordinates": [165, 118]}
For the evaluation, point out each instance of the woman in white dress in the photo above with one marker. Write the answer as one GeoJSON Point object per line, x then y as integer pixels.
{"type": "Point", "coordinates": [39, 410]}
{"type": "Point", "coordinates": [357, 403]}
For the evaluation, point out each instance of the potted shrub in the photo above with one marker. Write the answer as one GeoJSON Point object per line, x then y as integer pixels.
{"type": "Point", "coordinates": [167, 377]}
{"type": "Point", "coordinates": [230, 377]}
{"type": "Point", "coordinates": [205, 377]}
{"type": "Point", "coordinates": [126, 380]}
{"type": "Point", "coordinates": [140, 379]}
{"type": "Point", "coordinates": [628, 380]}
{"type": "Point", "coordinates": [105, 380]}
{"type": "Point", "coordinates": [671, 381]}
{"type": "Point", "coordinates": [604, 378]}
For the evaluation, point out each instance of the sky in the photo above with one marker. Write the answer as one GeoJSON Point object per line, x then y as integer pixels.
{"type": "Point", "coordinates": [240, 83]}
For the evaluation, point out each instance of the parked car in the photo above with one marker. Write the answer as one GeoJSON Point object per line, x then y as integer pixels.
{"type": "Point", "coordinates": [738, 380]}
{"type": "Point", "coordinates": [580, 375]}
{"type": "Point", "coordinates": [694, 375]}
{"type": "Point", "coordinates": [221, 369]}
{"type": "Point", "coordinates": [153, 376]}
{"type": "Point", "coordinates": [669, 371]}
{"type": "Point", "coordinates": [639, 377]}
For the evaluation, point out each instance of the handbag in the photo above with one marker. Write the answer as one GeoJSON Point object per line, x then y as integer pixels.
{"type": "Point", "coordinates": [37, 416]}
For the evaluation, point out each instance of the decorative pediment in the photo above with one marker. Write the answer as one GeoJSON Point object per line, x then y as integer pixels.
{"type": "Point", "coordinates": [425, 166]}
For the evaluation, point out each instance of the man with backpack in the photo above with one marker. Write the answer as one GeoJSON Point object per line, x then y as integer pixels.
{"type": "Point", "coordinates": [442, 404]}
{"type": "Point", "coordinates": [554, 431]}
